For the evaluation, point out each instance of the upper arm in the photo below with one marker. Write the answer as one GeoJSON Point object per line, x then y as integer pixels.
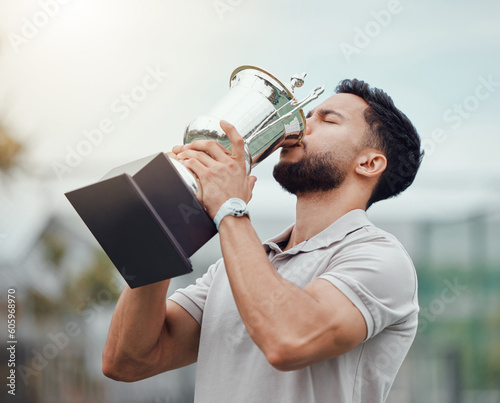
{"type": "Point", "coordinates": [339, 327]}
{"type": "Point", "coordinates": [177, 345]}
{"type": "Point", "coordinates": [364, 290]}
{"type": "Point", "coordinates": [179, 340]}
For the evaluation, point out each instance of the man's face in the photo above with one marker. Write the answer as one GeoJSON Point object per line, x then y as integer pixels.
{"type": "Point", "coordinates": [335, 134]}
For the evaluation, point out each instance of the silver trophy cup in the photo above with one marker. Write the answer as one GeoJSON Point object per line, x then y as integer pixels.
{"type": "Point", "coordinates": [146, 214]}
{"type": "Point", "coordinates": [263, 110]}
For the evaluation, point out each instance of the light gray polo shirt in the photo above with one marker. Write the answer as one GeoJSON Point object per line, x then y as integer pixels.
{"type": "Point", "coordinates": [365, 263]}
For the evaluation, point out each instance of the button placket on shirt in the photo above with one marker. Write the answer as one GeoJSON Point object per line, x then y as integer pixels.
{"type": "Point", "coordinates": [284, 256]}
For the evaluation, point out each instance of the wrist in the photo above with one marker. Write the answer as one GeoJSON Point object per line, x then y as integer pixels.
{"type": "Point", "coordinates": [232, 207]}
{"type": "Point", "coordinates": [231, 221]}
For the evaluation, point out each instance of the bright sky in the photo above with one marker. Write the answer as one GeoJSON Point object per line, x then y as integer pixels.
{"type": "Point", "coordinates": [76, 66]}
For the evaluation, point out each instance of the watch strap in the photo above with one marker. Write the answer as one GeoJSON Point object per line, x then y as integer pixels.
{"type": "Point", "coordinates": [229, 208]}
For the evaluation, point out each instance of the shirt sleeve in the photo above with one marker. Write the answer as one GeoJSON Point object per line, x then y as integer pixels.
{"type": "Point", "coordinates": [380, 280]}
{"type": "Point", "coordinates": [193, 297]}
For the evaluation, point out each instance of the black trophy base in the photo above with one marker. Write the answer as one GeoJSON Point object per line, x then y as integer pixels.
{"type": "Point", "coordinates": [146, 219]}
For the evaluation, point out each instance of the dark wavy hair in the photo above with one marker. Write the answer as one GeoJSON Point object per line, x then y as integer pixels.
{"type": "Point", "coordinates": [391, 132]}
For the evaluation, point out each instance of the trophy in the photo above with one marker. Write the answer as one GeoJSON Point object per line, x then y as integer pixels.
{"type": "Point", "coordinates": [146, 214]}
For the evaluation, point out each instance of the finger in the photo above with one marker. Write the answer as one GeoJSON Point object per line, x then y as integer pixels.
{"type": "Point", "coordinates": [200, 156]}
{"type": "Point", "coordinates": [212, 147]}
{"type": "Point", "coordinates": [196, 167]}
{"type": "Point", "coordinates": [177, 149]}
{"type": "Point", "coordinates": [237, 142]}
{"type": "Point", "coordinates": [171, 155]}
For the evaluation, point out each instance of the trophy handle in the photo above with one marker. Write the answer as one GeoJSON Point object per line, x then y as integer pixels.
{"type": "Point", "coordinates": [315, 93]}
{"type": "Point", "coordinates": [297, 81]}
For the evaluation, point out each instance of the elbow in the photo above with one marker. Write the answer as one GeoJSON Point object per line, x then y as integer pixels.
{"type": "Point", "coordinates": [284, 357]}
{"type": "Point", "coordinates": [109, 370]}
{"type": "Point", "coordinates": [278, 361]}
{"type": "Point", "coordinates": [113, 369]}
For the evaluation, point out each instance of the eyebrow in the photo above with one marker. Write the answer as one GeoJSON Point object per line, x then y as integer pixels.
{"type": "Point", "coordinates": [325, 112]}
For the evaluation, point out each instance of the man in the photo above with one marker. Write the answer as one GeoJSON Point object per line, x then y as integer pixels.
{"type": "Point", "coordinates": [327, 310]}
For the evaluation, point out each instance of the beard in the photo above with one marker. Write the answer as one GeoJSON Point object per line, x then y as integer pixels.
{"type": "Point", "coordinates": [311, 174]}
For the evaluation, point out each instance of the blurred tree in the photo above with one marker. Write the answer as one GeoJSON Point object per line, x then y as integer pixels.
{"type": "Point", "coordinates": [98, 279]}
{"type": "Point", "coordinates": [96, 282]}
{"type": "Point", "coordinates": [9, 150]}
{"type": "Point", "coordinates": [55, 248]}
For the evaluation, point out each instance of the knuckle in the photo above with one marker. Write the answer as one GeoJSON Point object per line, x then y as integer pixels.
{"type": "Point", "coordinates": [222, 170]}
{"type": "Point", "coordinates": [198, 144]}
{"type": "Point", "coordinates": [239, 141]}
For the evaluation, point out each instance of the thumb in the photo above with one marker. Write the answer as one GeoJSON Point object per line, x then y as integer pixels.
{"type": "Point", "coordinates": [251, 182]}
{"type": "Point", "coordinates": [237, 142]}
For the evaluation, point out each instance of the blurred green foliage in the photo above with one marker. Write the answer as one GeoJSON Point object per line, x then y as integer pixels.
{"type": "Point", "coordinates": [98, 282]}
{"type": "Point", "coordinates": [98, 278]}
{"type": "Point", "coordinates": [54, 248]}
{"type": "Point", "coordinates": [467, 321]}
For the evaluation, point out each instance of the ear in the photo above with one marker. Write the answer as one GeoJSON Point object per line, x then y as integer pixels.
{"type": "Point", "coordinates": [370, 163]}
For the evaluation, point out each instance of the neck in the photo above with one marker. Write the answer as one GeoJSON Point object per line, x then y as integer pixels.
{"type": "Point", "coordinates": [315, 212]}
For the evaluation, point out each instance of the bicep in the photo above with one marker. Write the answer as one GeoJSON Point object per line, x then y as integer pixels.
{"type": "Point", "coordinates": [340, 327]}
{"type": "Point", "coordinates": [180, 339]}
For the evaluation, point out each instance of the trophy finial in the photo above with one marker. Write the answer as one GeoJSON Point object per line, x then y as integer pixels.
{"type": "Point", "coordinates": [297, 80]}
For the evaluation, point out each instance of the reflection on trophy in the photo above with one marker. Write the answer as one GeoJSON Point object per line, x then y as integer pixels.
{"type": "Point", "coordinates": [146, 215]}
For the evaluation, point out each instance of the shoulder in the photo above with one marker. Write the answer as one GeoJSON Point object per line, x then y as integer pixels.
{"type": "Point", "coordinates": [372, 246]}
{"type": "Point", "coordinates": [373, 261]}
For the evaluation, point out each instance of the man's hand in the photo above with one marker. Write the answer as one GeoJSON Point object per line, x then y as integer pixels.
{"type": "Point", "coordinates": [222, 173]}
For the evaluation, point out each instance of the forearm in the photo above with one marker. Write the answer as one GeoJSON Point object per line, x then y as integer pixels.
{"type": "Point", "coordinates": [274, 310]}
{"type": "Point", "coordinates": [136, 326]}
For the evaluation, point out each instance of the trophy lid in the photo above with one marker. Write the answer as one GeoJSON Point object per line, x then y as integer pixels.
{"type": "Point", "coordinates": [297, 81]}
{"type": "Point", "coordinates": [271, 77]}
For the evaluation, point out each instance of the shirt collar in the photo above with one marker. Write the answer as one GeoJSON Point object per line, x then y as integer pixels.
{"type": "Point", "coordinates": [349, 222]}
{"type": "Point", "coordinates": [272, 244]}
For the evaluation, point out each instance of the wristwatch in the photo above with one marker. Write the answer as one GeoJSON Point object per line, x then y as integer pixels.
{"type": "Point", "coordinates": [235, 207]}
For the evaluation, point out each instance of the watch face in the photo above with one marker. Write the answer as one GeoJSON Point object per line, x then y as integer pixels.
{"type": "Point", "coordinates": [238, 206]}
